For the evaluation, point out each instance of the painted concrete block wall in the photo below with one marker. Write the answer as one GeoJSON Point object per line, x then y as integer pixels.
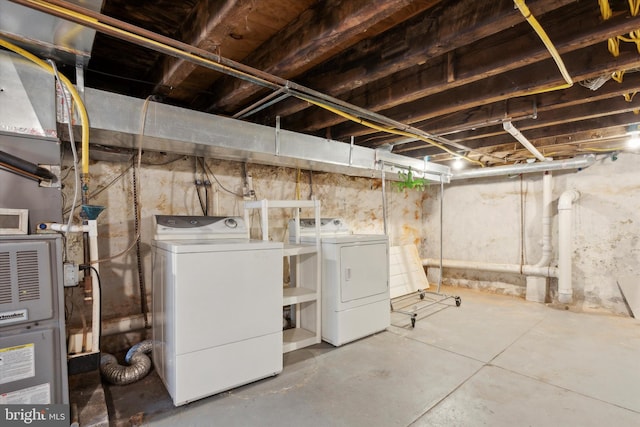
{"type": "Point", "coordinates": [167, 187]}
{"type": "Point", "coordinates": [482, 222]}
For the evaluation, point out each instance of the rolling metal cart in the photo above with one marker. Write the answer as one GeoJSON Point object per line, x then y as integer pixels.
{"type": "Point", "coordinates": [423, 299]}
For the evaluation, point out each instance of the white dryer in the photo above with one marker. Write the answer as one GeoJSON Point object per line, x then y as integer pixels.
{"type": "Point", "coordinates": [217, 306]}
{"type": "Point", "coordinates": [355, 280]}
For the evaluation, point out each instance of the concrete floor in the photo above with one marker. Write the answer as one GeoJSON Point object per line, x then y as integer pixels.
{"type": "Point", "coordinates": [495, 360]}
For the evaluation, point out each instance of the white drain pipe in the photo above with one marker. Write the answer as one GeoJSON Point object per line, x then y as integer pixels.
{"type": "Point", "coordinates": [541, 269]}
{"type": "Point", "coordinates": [547, 199]}
{"type": "Point", "coordinates": [565, 242]}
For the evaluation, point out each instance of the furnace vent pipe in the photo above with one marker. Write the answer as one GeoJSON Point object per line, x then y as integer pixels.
{"type": "Point", "coordinates": [575, 163]}
{"type": "Point", "coordinates": [139, 365]}
{"type": "Point", "coordinates": [565, 241]}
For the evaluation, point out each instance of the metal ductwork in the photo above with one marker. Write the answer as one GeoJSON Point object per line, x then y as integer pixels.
{"type": "Point", "coordinates": [46, 35]}
{"type": "Point", "coordinates": [116, 119]}
{"type": "Point", "coordinates": [139, 365]}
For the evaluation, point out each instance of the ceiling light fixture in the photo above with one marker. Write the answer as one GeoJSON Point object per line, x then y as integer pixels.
{"type": "Point", "coordinates": [457, 163]}
{"type": "Point", "coordinates": [634, 140]}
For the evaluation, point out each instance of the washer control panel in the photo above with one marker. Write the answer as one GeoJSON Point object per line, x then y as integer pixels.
{"type": "Point", "coordinates": [199, 227]}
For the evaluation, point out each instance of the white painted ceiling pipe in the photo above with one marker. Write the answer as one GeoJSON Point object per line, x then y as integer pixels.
{"type": "Point", "coordinates": [565, 241]}
{"type": "Point", "coordinates": [575, 163]}
{"type": "Point", "coordinates": [509, 127]}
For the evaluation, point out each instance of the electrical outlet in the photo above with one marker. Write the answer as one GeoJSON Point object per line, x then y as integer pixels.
{"type": "Point", "coordinates": [71, 274]}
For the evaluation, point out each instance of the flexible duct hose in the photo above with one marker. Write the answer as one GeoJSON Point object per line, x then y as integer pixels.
{"type": "Point", "coordinates": [139, 365]}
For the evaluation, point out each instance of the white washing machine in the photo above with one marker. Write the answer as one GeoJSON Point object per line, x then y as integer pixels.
{"type": "Point", "coordinates": [355, 280]}
{"type": "Point", "coordinates": [217, 306]}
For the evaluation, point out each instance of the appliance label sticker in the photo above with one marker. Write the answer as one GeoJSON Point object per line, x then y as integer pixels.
{"type": "Point", "coordinates": [13, 316]}
{"type": "Point", "coordinates": [36, 395]}
{"type": "Point", "coordinates": [17, 363]}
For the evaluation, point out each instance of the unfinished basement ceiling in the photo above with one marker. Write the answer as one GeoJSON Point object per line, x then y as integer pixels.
{"type": "Point", "coordinates": [456, 69]}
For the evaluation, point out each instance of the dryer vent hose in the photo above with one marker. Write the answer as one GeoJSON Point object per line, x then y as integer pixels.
{"type": "Point", "coordinates": [139, 365]}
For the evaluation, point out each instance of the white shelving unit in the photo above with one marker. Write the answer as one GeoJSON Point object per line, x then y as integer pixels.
{"type": "Point", "coordinates": [303, 293]}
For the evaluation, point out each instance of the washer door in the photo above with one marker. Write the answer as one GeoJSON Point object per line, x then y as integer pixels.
{"type": "Point", "coordinates": [364, 271]}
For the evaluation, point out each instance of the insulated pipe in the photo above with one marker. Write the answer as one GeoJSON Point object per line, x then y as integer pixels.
{"type": "Point", "coordinates": [565, 240]}
{"type": "Point", "coordinates": [25, 166]}
{"type": "Point", "coordinates": [139, 365]}
{"type": "Point", "coordinates": [575, 163]}
{"type": "Point", "coordinates": [510, 128]}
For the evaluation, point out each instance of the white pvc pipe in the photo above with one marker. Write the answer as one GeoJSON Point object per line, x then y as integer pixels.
{"type": "Point", "coordinates": [524, 141]}
{"type": "Point", "coordinates": [529, 270]}
{"type": "Point", "coordinates": [540, 269]}
{"type": "Point", "coordinates": [565, 241]}
{"type": "Point", "coordinates": [547, 199]}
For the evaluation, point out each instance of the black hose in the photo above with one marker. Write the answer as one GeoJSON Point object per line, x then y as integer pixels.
{"type": "Point", "coordinates": [25, 166]}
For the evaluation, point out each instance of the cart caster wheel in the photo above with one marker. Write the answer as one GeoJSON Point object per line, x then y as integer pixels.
{"type": "Point", "coordinates": [413, 322]}
{"type": "Point", "coordinates": [458, 301]}
{"type": "Point", "coordinates": [421, 296]}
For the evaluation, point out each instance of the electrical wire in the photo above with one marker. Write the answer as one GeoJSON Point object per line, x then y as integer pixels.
{"type": "Point", "coordinates": [66, 104]}
{"type": "Point", "coordinates": [84, 118]}
{"type": "Point", "coordinates": [528, 16]}
{"type": "Point", "coordinates": [208, 171]}
{"type": "Point", "coordinates": [184, 51]}
{"type": "Point", "coordinates": [605, 9]}
{"type": "Point", "coordinates": [95, 194]}
{"type": "Point", "coordinates": [388, 130]}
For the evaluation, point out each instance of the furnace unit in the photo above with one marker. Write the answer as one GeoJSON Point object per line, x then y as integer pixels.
{"type": "Point", "coordinates": [33, 362]}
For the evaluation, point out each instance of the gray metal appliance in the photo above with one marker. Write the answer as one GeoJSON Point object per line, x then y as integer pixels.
{"type": "Point", "coordinates": [33, 363]}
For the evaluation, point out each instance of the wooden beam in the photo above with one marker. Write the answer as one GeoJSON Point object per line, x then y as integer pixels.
{"type": "Point", "coordinates": [585, 63]}
{"type": "Point", "coordinates": [478, 62]}
{"type": "Point", "coordinates": [364, 77]}
{"type": "Point", "coordinates": [319, 33]}
{"type": "Point", "coordinates": [587, 130]}
{"type": "Point", "coordinates": [232, 28]}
